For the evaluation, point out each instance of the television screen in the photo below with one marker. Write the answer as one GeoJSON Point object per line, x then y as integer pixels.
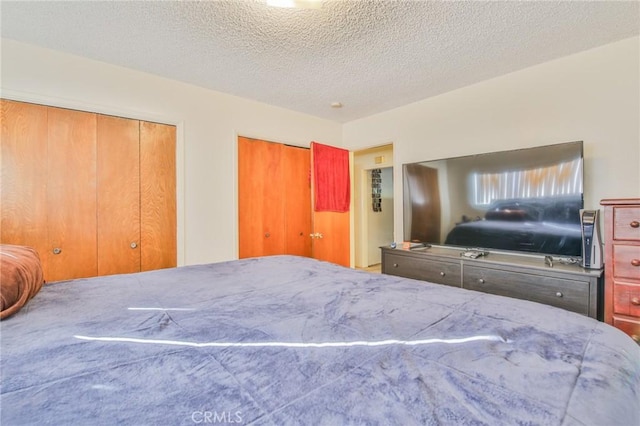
{"type": "Point", "coordinates": [525, 200]}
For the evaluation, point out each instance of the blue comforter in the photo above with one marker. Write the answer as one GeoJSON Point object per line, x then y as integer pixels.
{"type": "Point", "coordinates": [286, 340]}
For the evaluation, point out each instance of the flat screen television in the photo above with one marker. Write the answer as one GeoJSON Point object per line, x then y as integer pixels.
{"type": "Point", "coordinates": [524, 200]}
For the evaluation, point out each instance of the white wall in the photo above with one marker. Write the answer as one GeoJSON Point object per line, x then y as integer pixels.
{"type": "Point", "coordinates": [593, 96]}
{"type": "Point", "coordinates": [380, 224]}
{"type": "Point", "coordinates": [208, 123]}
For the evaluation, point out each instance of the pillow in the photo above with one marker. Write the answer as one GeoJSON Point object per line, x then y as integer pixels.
{"type": "Point", "coordinates": [21, 277]}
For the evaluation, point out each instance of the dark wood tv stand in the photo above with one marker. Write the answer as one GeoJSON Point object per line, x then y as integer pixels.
{"type": "Point", "coordinates": [521, 276]}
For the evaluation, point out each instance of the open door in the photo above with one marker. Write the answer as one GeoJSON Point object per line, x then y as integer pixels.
{"type": "Point", "coordinates": [330, 234]}
{"type": "Point", "coordinates": [330, 237]}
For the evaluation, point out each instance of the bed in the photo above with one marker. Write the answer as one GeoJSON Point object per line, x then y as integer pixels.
{"type": "Point", "coordinates": [286, 340]}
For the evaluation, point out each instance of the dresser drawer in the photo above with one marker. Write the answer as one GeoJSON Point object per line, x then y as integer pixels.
{"type": "Point", "coordinates": [626, 261]}
{"type": "Point", "coordinates": [631, 327]}
{"type": "Point", "coordinates": [626, 299]}
{"type": "Point", "coordinates": [567, 294]}
{"type": "Point", "coordinates": [626, 223]}
{"type": "Point", "coordinates": [440, 272]}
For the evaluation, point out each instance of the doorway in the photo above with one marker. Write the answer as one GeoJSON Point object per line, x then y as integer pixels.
{"type": "Point", "coordinates": [374, 204]}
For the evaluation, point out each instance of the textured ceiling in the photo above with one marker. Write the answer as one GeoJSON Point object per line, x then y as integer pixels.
{"type": "Point", "coordinates": [371, 56]}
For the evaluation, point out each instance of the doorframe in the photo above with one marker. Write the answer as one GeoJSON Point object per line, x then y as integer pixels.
{"type": "Point", "coordinates": [360, 240]}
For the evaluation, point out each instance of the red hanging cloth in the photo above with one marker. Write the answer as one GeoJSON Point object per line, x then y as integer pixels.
{"type": "Point", "coordinates": [331, 178]}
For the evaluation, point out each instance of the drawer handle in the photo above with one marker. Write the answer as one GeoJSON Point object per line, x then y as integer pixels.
{"type": "Point", "coordinates": [635, 224]}
{"type": "Point", "coordinates": [559, 294]}
{"type": "Point", "coordinates": [635, 262]}
{"type": "Point", "coordinates": [481, 280]}
{"type": "Point", "coordinates": [635, 301]}
{"type": "Point", "coordinates": [57, 250]}
{"type": "Point", "coordinates": [395, 265]}
{"type": "Point", "coordinates": [442, 274]}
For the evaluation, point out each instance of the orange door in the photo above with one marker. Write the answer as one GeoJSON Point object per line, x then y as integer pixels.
{"type": "Point", "coordinates": [274, 206]}
{"type": "Point", "coordinates": [331, 237]}
{"type": "Point", "coordinates": [23, 179]}
{"type": "Point", "coordinates": [297, 200]}
{"type": "Point", "coordinates": [71, 195]}
{"type": "Point", "coordinates": [157, 196]}
{"type": "Point", "coordinates": [261, 206]}
{"type": "Point", "coordinates": [331, 234]}
{"type": "Point", "coordinates": [118, 195]}
{"type": "Point", "coordinates": [71, 188]}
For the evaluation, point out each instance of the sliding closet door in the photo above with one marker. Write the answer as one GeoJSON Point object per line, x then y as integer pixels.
{"type": "Point", "coordinates": [118, 195]}
{"type": "Point", "coordinates": [297, 200]}
{"type": "Point", "coordinates": [48, 186]}
{"type": "Point", "coordinates": [157, 196]}
{"type": "Point", "coordinates": [23, 196]}
{"type": "Point", "coordinates": [93, 194]}
{"type": "Point", "coordinates": [71, 195]}
{"type": "Point", "coordinates": [260, 198]}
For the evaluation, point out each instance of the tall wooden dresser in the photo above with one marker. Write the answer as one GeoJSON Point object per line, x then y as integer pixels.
{"type": "Point", "coordinates": [622, 265]}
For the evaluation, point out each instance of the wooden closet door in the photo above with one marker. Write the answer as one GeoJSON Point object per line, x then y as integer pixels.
{"type": "Point", "coordinates": [157, 196]}
{"type": "Point", "coordinates": [71, 194]}
{"type": "Point", "coordinates": [118, 195]}
{"type": "Point", "coordinates": [23, 178]}
{"type": "Point", "coordinates": [333, 233]}
{"type": "Point", "coordinates": [260, 198]}
{"type": "Point", "coordinates": [297, 199]}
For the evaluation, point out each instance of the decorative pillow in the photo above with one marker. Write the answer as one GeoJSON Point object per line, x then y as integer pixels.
{"type": "Point", "coordinates": [21, 277]}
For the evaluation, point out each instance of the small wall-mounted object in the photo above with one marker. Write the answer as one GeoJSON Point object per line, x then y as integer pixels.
{"type": "Point", "coordinates": [376, 190]}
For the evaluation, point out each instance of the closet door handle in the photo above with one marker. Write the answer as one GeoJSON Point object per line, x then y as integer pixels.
{"type": "Point", "coordinates": [133, 245]}
{"type": "Point", "coordinates": [267, 235]}
{"type": "Point", "coordinates": [57, 250]}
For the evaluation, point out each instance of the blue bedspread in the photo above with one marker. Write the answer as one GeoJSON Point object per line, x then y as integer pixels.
{"type": "Point", "coordinates": [286, 340]}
